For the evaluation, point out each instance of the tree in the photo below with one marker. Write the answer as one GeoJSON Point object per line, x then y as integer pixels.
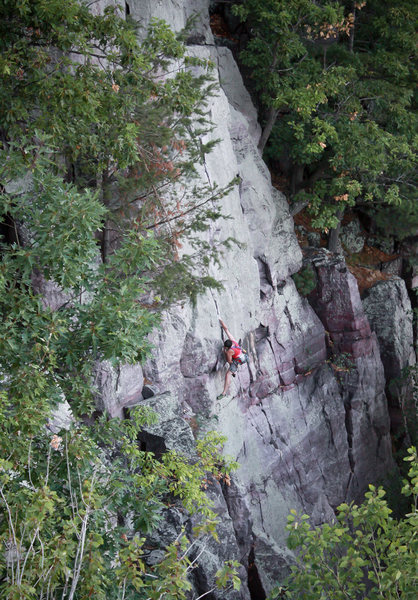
{"type": "Point", "coordinates": [97, 137]}
{"type": "Point", "coordinates": [123, 117]}
{"type": "Point", "coordinates": [336, 81]}
{"type": "Point", "coordinates": [77, 510]}
{"type": "Point", "coordinates": [97, 147]}
{"type": "Point", "coordinates": [365, 553]}
{"type": "Point", "coordinates": [65, 499]}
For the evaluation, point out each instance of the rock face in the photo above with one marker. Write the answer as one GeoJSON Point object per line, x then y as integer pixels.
{"type": "Point", "coordinates": [117, 387]}
{"type": "Point", "coordinates": [308, 431]}
{"type": "Point", "coordinates": [337, 302]}
{"type": "Point", "coordinates": [389, 312]}
{"type": "Point", "coordinates": [351, 237]}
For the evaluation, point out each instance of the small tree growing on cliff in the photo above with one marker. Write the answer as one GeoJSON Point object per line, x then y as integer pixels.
{"type": "Point", "coordinates": [122, 117]}
{"type": "Point", "coordinates": [365, 554]}
{"type": "Point", "coordinates": [77, 509]}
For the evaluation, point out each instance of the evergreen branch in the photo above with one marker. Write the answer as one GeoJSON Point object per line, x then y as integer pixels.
{"type": "Point", "coordinates": [182, 214]}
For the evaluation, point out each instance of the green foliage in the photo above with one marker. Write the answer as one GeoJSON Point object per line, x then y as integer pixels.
{"type": "Point", "coordinates": [97, 156]}
{"type": "Point", "coordinates": [223, 576]}
{"type": "Point", "coordinates": [336, 81]}
{"type": "Point", "coordinates": [65, 503]}
{"type": "Point", "coordinates": [94, 94]}
{"type": "Point", "coordinates": [45, 352]}
{"type": "Point", "coordinates": [365, 553]}
{"type": "Point", "coordinates": [342, 362]}
{"type": "Point", "coordinates": [63, 497]}
{"type": "Point", "coordinates": [305, 280]}
{"type": "Point", "coordinates": [397, 221]}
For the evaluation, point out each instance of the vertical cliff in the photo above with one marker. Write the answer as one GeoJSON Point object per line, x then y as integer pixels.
{"type": "Point", "coordinates": [308, 431]}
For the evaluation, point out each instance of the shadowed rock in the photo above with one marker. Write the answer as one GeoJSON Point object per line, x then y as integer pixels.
{"type": "Point", "coordinates": [389, 311]}
{"type": "Point", "coordinates": [336, 300]}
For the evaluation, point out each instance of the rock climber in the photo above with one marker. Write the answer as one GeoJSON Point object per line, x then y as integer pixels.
{"type": "Point", "coordinates": [234, 356]}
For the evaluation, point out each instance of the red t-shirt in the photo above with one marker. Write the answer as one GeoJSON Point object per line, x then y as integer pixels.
{"type": "Point", "coordinates": [236, 348]}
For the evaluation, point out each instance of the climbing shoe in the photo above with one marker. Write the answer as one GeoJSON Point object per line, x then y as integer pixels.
{"type": "Point", "coordinates": [221, 396]}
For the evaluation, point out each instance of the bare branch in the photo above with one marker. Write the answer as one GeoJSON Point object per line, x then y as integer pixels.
{"type": "Point", "coordinates": [14, 538]}
{"type": "Point", "coordinates": [19, 582]}
{"type": "Point", "coordinates": [29, 464]}
{"type": "Point", "coordinates": [48, 462]}
{"type": "Point", "coordinates": [80, 548]}
{"type": "Point", "coordinates": [74, 506]}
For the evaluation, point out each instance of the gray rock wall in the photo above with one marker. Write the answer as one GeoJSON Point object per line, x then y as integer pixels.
{"type": "Point", "coordinates": [307, 433]}
{"type": "Point", "coordinates": [389, 312]}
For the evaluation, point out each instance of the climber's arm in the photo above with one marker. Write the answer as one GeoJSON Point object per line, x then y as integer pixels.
{"type": "Point", "coordinates": [228, 333]}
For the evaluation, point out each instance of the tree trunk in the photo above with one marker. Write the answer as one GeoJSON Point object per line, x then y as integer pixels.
{"type": "Point", "coordinates": [271, 119]}
{"type": "Point", "coordinates": [298, 184]}
{"type": "Point", "coordinates": [105, 241]}
{"type": "Point", "coordinates": [351, 39]}
{"type": "Point", "coordinates": [103, 185]}
{"type": "Point", "coordinates": [272, 112]}
{"type": "Point", "coordinates": [334, 234]}
{"type": "Point", "coordinates": [296, 178]}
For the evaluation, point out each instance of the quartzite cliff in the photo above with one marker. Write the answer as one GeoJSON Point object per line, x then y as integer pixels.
{"type": "Point", "coordinates": [307, 433]}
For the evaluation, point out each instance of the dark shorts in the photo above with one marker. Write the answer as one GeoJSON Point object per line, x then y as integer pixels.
{"type": "Point", "coordinates": [233, 367]}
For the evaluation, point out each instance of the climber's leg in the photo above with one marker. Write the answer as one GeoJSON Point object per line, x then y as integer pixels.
{"type": "Point", "coordinates": [231, 372]}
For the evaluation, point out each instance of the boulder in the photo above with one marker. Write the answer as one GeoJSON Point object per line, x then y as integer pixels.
{"type": "Point", "coordinates": [352, 237]}
{"type": "Point", "coordinates": [176, 13]}
{"type": "Point", "coordinates": [314, 239]}
{"type": "Point", "coordinates": [388, 308]}
{"type": "Point", "coordinates": [393, 267]}
{"type": "Point", "coordinates": [117, 387]}
{"type": "Point", "coordinates": [409, 251]}
{"type": "Point", "coordinates": [61, 417]}
{"type": "Point", "coordinates": [172, 430]}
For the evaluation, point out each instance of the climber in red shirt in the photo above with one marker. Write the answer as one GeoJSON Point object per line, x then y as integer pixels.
{"type": "Point", "coordinates": [234, 356]}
